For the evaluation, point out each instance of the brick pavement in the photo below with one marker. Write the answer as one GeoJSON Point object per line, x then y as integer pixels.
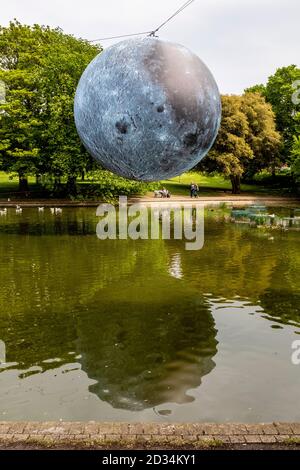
{"type": "Point", "coordinates": [144, 435]}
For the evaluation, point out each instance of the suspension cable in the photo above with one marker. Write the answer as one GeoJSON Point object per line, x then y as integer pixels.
{"type": "Point", "coordinates": [149, 33]}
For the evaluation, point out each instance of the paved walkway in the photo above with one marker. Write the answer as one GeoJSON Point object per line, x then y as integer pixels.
{"type": "Point", "coordinates": [147, 435]}
{"type": "Point", "coordinates": [238, 200]}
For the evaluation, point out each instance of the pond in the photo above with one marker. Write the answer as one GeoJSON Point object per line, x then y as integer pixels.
{"type": "Point", "coordinates": [123, 330]}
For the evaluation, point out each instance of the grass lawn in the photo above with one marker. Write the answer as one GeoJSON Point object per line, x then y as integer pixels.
{"type": "Point", "coordinates": [11, 185]}
{"type": "Point", "coordinates": [208, 185]}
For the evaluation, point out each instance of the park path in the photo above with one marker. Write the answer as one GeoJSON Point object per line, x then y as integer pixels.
{"type": "Point", "coordinates": [236, 200]}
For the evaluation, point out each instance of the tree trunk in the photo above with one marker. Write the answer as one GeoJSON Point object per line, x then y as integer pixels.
{"type": "Point", "coordinates": [273, 172]}
{"type": "Point", "coordinates": [23, 182]}
{"type": "Point", "coordinates": [236, 184]}
{"type": "Point", "coordinates": [57, 182]}
{"type": "Point", "coordinates": [82, 175]}
{"type": "Point", "coordinates": [71, 186]}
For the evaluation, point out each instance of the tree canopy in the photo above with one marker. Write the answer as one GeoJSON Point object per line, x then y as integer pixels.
{"type": "Point", "coordinates": [296, 159]}
{"type": "Point", "coordinates": [280, 92]}
{"type": "Point", "coordinates": [247, 140]}
{"type": "Point", "coordinates": [41, 67]}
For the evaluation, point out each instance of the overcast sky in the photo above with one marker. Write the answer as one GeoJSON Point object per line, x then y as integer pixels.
{"type": "Point", "coordinates": [241, 41]}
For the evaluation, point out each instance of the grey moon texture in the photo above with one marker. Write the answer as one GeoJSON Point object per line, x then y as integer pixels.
{"type": "Point", "coordinates": [147, 109]}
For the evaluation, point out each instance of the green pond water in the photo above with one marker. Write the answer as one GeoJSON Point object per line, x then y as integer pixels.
{"type": "Point", "coordinates": [145, 330]}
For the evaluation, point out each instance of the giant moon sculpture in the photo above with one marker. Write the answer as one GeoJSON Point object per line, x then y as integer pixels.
{"type": "Point", "coordinates": [147, 109]}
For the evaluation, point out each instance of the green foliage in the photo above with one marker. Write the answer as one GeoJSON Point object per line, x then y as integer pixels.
{"type": "Point", "coordinates": [98, 185]}
{"type": "Point", "coordinates": [279, 92]}
{"type": "Point", "coordinates": [296, 159]}
{"type": "Point", "coordinates": [41, 67]}
{"type": "Point", "coordinates": [247, 140]}
{"type": "Point", "coordinates": [264, 140]}
{"type": "Point", "coordinates": [105, 185]}
{"type": "Point", "coordinates": [231, 150]}
{"type": "Point", "coordinates": [256, 89]}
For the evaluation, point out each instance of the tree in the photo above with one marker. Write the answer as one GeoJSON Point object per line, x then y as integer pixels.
{"type": "Point", "coordinates": [296, 159]}
{"type": "Point", "coordinates": [279, 92]}
{"type": "Point", "coordinates": [19, 117]}
{"type": "Point", "coordinates": [247, 140]}
{"type": "Point", "coordinates": [257, 89]}
{"type": "Point", "coordinates": [231, 151]}
{"type": "Point", "coordinates": [41, 67]}
{"type": "Point", "coordinates": [264, 140]}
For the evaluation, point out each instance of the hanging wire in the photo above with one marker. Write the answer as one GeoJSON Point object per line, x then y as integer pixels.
{"type": "Point", "coordinates": [149, 33]}
{"type": "Point", "coordinates": [183, 7]}
{"type": "Point", "coordinates": [122, 36]}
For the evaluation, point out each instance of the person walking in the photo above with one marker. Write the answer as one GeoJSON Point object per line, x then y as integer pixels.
{"type": "Point", "coordinates": [194, 188]}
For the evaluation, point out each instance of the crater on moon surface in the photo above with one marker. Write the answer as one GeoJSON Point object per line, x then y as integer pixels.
{"type": "Point", "coordinates": [147, 109]}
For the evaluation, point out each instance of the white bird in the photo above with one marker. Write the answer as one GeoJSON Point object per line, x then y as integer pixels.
{"type": "Point", "coordinates": [3, 211]}
{"type": "Point", "coordinates": [41, 209]}
{"type": "Point", "coordinates": [58, 210]}
{"type": "Point", "coordinates": [19, 210]}
{"type": "Point", "coordinates": [52, 210]}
